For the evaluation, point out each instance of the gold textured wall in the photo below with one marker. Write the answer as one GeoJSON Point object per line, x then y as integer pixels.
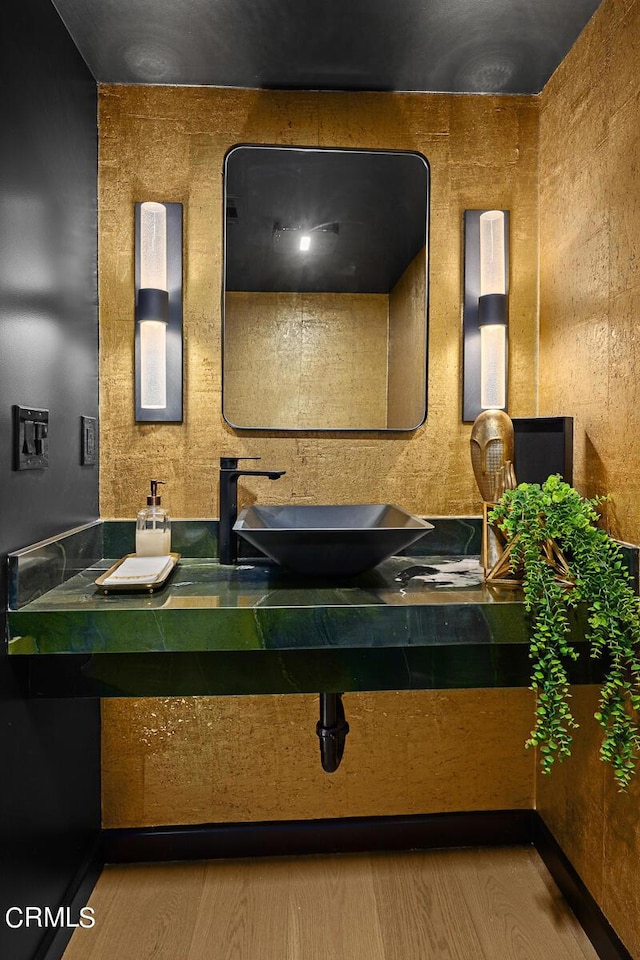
{"type": "Point", "coordinates": [224, 759]}
{"type": "Point", "coordinates": [589, 349]}
{"type": "Point", "coordinates": [168, 143]}
{"type": "Point", "coordinates": [597, 826]}
{"type": "Point", "coordinates": [407, 346]}
{"type": "Point", "coordinates": [590, 257]}
{"type": "Point", "coordinates": [299, 360]}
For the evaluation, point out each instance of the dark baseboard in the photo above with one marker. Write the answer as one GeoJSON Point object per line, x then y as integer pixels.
{"type": "Point", "coordinates": [605, 940]}
{"type": "Point", "coordinates": [76, 896]}
{"type": "Point", "coordinates": [339, 835]}
{"type": "Point", "coordinates": [368, 834]}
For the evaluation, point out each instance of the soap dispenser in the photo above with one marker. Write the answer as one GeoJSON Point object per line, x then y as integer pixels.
{"type": "Point", "coordinates": [153, 527]}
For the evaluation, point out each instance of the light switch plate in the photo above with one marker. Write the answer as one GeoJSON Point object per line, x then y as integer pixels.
{"type": "Point", "coordinates": [89, 441]}
{"type": "Point", "coordinates": [30, 438]}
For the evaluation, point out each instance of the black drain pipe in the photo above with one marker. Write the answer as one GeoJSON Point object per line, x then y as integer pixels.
{"type": "Point", "coordinates": [332, 729]}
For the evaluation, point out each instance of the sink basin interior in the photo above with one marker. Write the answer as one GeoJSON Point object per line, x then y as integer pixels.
{"type": "Point", "coordinates": [330, 540]}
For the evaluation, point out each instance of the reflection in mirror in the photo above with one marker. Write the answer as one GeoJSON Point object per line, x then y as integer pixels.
{"type": "Point", "coordinates": [325, 289]}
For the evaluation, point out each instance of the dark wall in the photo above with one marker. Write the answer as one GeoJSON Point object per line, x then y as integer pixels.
{"type": "Point", "coordinates": [48, 295]}
{"type": "Point", "coordinates": [49, 756]}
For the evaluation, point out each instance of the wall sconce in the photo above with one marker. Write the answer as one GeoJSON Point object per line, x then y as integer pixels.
{"type": "Point", "coordinates": [158, 334]}
{"type": "Point", "coordinates": [485, 311]}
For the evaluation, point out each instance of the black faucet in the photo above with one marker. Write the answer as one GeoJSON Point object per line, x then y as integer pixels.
{"type": "Point", "coordinates": [229, 473]}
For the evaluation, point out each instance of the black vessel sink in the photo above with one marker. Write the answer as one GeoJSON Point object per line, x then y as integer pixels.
{"type": "Point", "coordinates": [330, 541]}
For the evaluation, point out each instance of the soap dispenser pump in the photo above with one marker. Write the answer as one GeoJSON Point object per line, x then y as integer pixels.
{"type": "Point", "coordinates": [153, 527]}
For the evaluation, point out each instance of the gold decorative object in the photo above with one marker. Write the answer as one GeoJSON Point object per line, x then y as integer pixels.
{"type": "Point", "coordinates": [501, 573]}
{"type": "Point", "coordinates": [492, 445]}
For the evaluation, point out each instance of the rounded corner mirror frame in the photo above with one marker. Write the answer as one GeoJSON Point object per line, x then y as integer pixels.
{"type": "Point", "coordinates": [361, 175]}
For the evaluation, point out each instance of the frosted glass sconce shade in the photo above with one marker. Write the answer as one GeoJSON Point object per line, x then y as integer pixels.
{"type": "Point", "coordinates": [492, 263]}
{"type": "Point", "coordinates": [485, 311]}
{"type": "Point", "coordinates": [153, 364]}
{"type": "Point", "coordinates": [158, 329]}
{"type": "Point", "coordinates": [153, 246]}
{"type": "Point", "coordinates": [493, 362]}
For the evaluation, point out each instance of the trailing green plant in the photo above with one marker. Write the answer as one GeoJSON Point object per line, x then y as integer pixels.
{"type": "Point", "coordinates": [531, 516]}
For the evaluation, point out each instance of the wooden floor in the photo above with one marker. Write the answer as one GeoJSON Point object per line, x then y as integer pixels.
{"type": "Point", "coordinates": [472, 904]}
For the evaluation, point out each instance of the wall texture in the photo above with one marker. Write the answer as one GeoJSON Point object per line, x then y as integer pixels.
{"type": "Point", "coordinates": [589, 346]}
{"type": "Point", "coordinates": [407, 347]}
{"type": "Point", "coordinates": [226, 759]}
{"type": "Point", "coordinates": [299, 360]}
{"type": "Point", "coordinates": [590, 257]}
{"type": "Point", "coordinates": [49, 750]}
{"type": "Point", "coordinates": [597, 826]}
{"type": "Point", "coordinates": [168, 143]}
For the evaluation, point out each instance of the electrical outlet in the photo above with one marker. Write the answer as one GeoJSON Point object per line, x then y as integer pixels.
{"type": "Point", "coordinates": [89, 441]}
{"type": "Point", "coordinates": [30, 438]}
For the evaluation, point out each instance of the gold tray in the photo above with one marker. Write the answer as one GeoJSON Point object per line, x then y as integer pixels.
{"type": "Point", "coordinates": [147, 587]}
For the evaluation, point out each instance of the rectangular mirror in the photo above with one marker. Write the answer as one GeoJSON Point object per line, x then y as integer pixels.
{"type": "Point", "coordinates": [325, 289]}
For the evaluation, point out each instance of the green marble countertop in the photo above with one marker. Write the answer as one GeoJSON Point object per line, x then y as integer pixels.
{"type": "Point", "coordinates": [414, 622]}
{"type": "Point", "coordinates": [405, 601]}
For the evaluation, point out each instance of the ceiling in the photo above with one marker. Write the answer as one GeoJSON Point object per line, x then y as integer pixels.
{"type": "Point", "coordinates": [456, 46]}
{"type": "Point", "coordinates": [363, 212]}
